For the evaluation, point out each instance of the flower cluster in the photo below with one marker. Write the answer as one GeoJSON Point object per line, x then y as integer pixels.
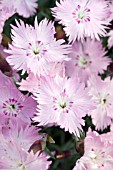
{"type": "Point", "coordinates": [47, 81]}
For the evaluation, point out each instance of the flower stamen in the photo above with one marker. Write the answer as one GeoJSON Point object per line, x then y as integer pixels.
{"type": "Point", "coordinates": [81, 14]}
{"type": "Point", "coordinates": [11, 107]}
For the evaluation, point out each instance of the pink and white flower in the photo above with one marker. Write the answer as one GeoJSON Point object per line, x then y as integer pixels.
{"type": "Point", "coordinates": [62, 101]}
{"type": "Point", "coordinates": [15, 157]}
{"type": "Point", "coordinates": [24, 135]}
{"type": "Point", "coordinates": [82, 18]}
{"type": "Point", "coordinates": [102, 96]}
{"type": "Point", "coordinates": [13, 104]}
{"type": "Point", "coordinates": [87, 58]}
{"type": "Point", "coordinates": [33, 48]}
{"type": "Point", "coordinates": [98, 155]}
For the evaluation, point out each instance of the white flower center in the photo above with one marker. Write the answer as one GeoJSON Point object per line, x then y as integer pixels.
{"type": "Point", "coordinates": [81, 14]}
{"type": "Point", "coordinates": [22, 166]}
{"type": "Point", "coordinates": [104, 100]}
{"type": "Point", "coordinates": [62, 103]}
{"type": "Point", "coordinates": [11, 107]}
{"type": "Point", "coordinates": [36, 50]}
{"type": "Point", "coordinates": [83, 62]}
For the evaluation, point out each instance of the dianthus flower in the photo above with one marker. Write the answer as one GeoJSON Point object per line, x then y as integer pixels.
{"type": "Point", "coordinates": [33, 48]}
{"type": "Point", "coordinates": [62, 101]}
{"type": "Point", "coordinates": [13, 104]}
{"type": "Point", "coordinates": [98, 155]}
{"type": "Point", "coordinates": [23, 135]}
{"type": "Point", "coordinates": [15, 157]}
{"type": "Point", "coordinates": [82, 18]}
{"type": "Point", "coordinates": [87, 58]}
{"type": "Point", "coordinates": [102, 96]}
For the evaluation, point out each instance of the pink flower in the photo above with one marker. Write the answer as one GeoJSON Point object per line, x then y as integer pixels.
{"type": "Point", "coordinates": [24, 135]}
{"type": "Point", "coordinates": [102, 96]}
{"type": "Point", "coordinates": [13, 104]}
{"type": "Point", "coordinates": [33, 49]}
{"type": "Point", "coordinates": [26, 8]}
{"type": "Point", "coordinates": [87, 58]}
{"type": "Point", "coordinates": [98, 155]}
{"type": "Point", "coordinates": [62, 101]}
{"type": "Point", "coordinates": [17, 158]}
{"type": "Point", "coordinates": [82, 18]}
